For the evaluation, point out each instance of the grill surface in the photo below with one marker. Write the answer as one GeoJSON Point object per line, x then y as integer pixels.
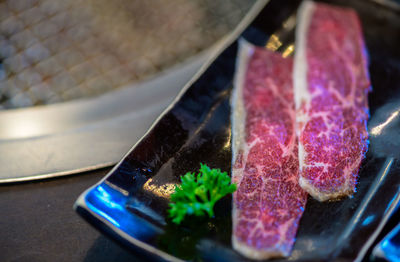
{"type": "Point", "coordinates": [58, 50]}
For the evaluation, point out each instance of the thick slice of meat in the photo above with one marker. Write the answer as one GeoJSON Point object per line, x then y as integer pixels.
{"type": "Point", "coordinates": [268, 203]}
{"type": "Point", "coordinates": [331, 86]}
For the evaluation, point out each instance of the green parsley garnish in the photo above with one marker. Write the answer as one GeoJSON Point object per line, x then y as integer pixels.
{"type": "Point", "coordinates": [197, 195]}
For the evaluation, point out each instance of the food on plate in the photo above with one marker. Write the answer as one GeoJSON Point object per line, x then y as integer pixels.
{"type": "Point", "coordinates": [298, 126]}
{"type": "Point", "coordinates": [331, 86]}
{"type": "Point", "coordinates": [198, 194]}
{"type": "Point", "coordinates": [268, 203]}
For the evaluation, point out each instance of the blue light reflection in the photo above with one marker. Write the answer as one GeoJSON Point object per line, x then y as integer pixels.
{"type": "Point", "coordinates": [389, 248]}
{"type": "Point", "coordinates": [368, 220]}
{"type": "Point", "coordinates": [393, 201]}
{"type": "Point", "coordinates": [110, 204]}
{"type": "Point", "coordinates": [106, 197]}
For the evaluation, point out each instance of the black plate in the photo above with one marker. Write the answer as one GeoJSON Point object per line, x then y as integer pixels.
{"type": "Point", "coordinates": [130, 203]}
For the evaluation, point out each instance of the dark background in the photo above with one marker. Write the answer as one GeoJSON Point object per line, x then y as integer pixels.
{"type": "Point", "coordinates": [38, 223]}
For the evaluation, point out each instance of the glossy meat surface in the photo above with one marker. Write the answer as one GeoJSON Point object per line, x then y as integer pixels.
{"type": "Point", "coordinates": [269, 202]}
{"type": "Point", "coordinates": [331, 87]}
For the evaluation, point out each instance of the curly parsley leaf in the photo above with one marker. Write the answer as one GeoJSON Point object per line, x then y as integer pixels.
{"type": "Point", "coordinates": [197, 195]}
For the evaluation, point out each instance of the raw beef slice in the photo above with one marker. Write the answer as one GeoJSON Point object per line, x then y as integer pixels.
{"type": "Point", "coordinates": [331, 86]}
{"type": "Point", "coordinates": [268, 203]}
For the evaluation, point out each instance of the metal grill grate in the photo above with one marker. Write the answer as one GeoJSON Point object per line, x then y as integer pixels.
{"type": "Point", "coordinates": [58, 50]}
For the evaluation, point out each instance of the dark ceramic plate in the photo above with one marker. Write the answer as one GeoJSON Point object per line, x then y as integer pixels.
{"type": "Point", "coordinates": [130, 203]}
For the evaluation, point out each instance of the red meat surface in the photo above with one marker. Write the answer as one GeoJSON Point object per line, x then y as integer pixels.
{"type": "Point", "coordinates": [331, 86]}
{"type": "Point", "coordinates": [268, 203]}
